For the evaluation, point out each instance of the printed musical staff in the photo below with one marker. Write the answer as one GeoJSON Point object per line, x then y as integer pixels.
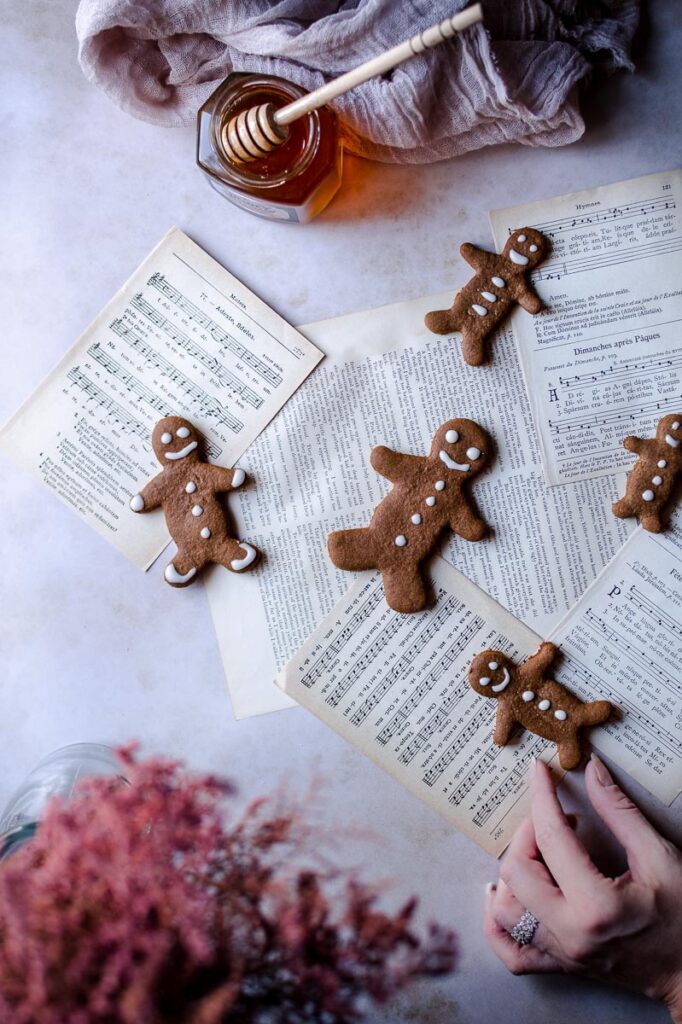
{"type": "Point", "coordinates": [482, 717]}
{"type": "Point", "coordinates": [623, 644]}
{"type": "Point", "coordinates": [330, 653]}
{"type": "Point", "coordinates": [556, 269]}
{"type": "Point", "coordinates": [619, 372]}
{"type": "Point", "coordinates": [97, 353]}
{"type": "Point", "coordinates": [439, 718]}
{"type": "Point", "coordinates": [630, 414]}
{"type": "Point", "coordinates": [655, 612]}
{"type": "Point", "coordinates": [628, 211]}
{"type": "Point", "coordinates": [359, 667]}
{"type": "Point", "coordinates": [208, 405]}
{"type": "Point", "coordinates": [110, 406]}
{"type": "Point", "coordinates": [224, 339]}
{"type": "Point", "coordinates": [197, 352]}
{"type": "Point", "coordinates": [481, 768]}
{"type": "Point", "coordinates": [512, 782]}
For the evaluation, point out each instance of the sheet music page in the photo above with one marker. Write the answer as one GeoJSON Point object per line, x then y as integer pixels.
{"type": "Point", "coordinates": [623, 641]}
{"type": "Point", "coordinates": [395, 686]}
{"type": "Point", "coordinates": [387, 380]}
{"type": "Point", "coordinates": [183, 336]}
{"type": "Point", "coordinates": [604, 359]}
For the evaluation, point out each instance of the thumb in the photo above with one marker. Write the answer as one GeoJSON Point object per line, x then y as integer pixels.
{"type": "Point", "coordinates": [637, 836]}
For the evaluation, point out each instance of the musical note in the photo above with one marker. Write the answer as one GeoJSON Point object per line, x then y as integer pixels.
{"type": "Point", "coordinates": [613, 258]}
{"type": "Point", "coordinates": [616, 373]}
{"type": "Point", "coordinates": [111, 407]}
{"type": "Point", "coordinates": [622, 415]}
{"type": "Point", "coordinates": [330, 653]}
{"type": "Point", "coordinates": [626, 212]}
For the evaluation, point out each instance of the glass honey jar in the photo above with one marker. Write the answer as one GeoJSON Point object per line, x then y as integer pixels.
{"type": "Point", "coordinates": [296, 180]}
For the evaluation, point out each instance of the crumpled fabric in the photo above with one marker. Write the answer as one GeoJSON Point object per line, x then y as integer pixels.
{"type": "Point", "coordinates": [513, 79]}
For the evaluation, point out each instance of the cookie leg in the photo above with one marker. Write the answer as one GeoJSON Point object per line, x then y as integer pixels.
{"type": "Point", "coordinates": [651, 521]}
{"type": "Point", "coordinates": [235, 555]}
{"type": "Point", "coordinates": [404, 589]}
{"type": "Point", "coordinates": [473, 348]}
{"type": "Point", "coordinates": [181, 571]}
{"type": "Point", "coordinates": [623, 509]}
{"type": "Point", "coordinates": [570, 754]}
{"type": "Point", "coordinates": [440, 321]}
{"type": "Point", "coordinates": [353, 550]}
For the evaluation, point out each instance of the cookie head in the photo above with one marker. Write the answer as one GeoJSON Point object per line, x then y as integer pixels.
{"type": "Point", "coordinates": [175, 439]}
{"type": "Point", "coordinates": [526, 248]}
{"type": "Point", "coordinates": [462, 447]}
{"type": "Point", "coordinates": [669, 429]}
{"type": "Point", "coordinates": [490, 673]}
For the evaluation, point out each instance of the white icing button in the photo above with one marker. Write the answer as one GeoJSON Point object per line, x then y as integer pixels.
{"type": "Point", "coordinates": [190, 487]}
{"type": "Point", "coordinates": [440, 485]}
{"type": "Point", "coordinates": [452, 436]}
{"type": "Point", "coordinates": [527, 695]}
{"type": "Point", "coordinates": [182, 432]}
{"type": "Point", "coordinates": [166, 438]}
{"type": "Point", "coordinates": [520, 238]}
{"type": "Point", "coordinates": [206, 533]}
{"type": "Point", "coordinates": [656, 480]}
{"type": "Point", "coordinates": [661, 463]}
{"type": "Point", "coordinates": [492, 665]}
{"type": "Point", "coordinates": [416, 519]}
{"type": "Point", "coordinates": [533, 248]}
{"type": "Point", "coordinates": [197, 510]}
{"type": "Point", "coordinates": [481, 310]}
{"type": "Point", "coordinates": [473, 453]}
{"type": "Point", "coordinates": [676, 425]}
{"type": "Point", "coordinates": [499, 282]}
{"type": "Point", "coordinates": [137, 503]}
{"type": "Point", "coordinates": [648, 495]}
{"type": "Point", "coordinates": [489, 297]}
{"type": "Point", "coordinates": [544, 705]}
{"type": "Point", "coordinates": [484, 680]}
{"type": "Point", "coordinates": [561, 715]}
{"type": "Point", "coordinates": [431, 501]}
{"type": "Point", "coordinates": [238, 477]}
{"type": "Point", "coordinates": [401, 540]}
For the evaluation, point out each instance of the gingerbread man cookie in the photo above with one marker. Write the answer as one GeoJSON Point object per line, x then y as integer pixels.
{"type": "Point", "coordinates": [429, 495]}
{"type": "Point", "coordinates": [527, 696]}
{"type": "Point", "coordinates": [187, 488]}
{"type": "Point", "coordinates": [490, 296]}
{"type": "Point", "coordinates": [653, 478]}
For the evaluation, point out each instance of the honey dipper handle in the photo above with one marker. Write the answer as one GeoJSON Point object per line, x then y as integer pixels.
{"type": "Point", "coordinates": [378, 65]}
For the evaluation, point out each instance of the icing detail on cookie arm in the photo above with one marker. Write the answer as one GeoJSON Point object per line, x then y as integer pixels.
{"type": "Point", "coordinates": [137, 503]}
{"type": "Point", "coordinates": [183, 451]}
{"type": "Point", "coordinates": [506, 678]}
{"type": "Point", "coordinates": [462, 467]}
{"type": "Point", "coordinates": [172, 575]}
{"type": "Point", "coordinates": [671, 441]}
{"type": "Point", "coordinates": [238, 477]}
{"type": "Point", "coordinates": [518, 258]}
{"type": "Point", "coordinates": [242, 563]}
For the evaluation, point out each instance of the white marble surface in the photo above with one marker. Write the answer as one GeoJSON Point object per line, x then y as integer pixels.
{"type": "Point", "coordinates": [94, 650]}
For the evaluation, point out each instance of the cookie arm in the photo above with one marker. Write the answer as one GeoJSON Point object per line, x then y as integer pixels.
{"type": "Point", "coordinates": [394, 466]}
{"type": "Point", "coordinates": [150, 497]}
{"type": "Point", "coordinates": [528, 298]}
{"type": "Point", "coordinates": [467, 525]}
{"type": "Point", "coordinates": [224, 480]}
{"type": "Point", "coordinates": [542, 660]}
{"type": "Point", "coordinates": [635, 444]}
{"type": "Point", "coordinates": [472, 254]}
{"type": "Point", "coordinates": [504, 723]}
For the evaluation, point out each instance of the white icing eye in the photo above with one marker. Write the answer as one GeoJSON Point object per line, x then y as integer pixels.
{"type": "Point", "coordinates": [197, 510]}
{"type": "Point", "coordinates": [520, 238]}
{"type": "Point", "coordinates": [166, 438]}
{"type": "Point", "coordinates": [527, 695]}
{"type": "Point", "coordinates": [440, 485]}
{"type": "Point", "coordinates": [484, 680]}
{"type": "Point", "coordinates": [182, 432]}
{"type": "Point", "coordinates": [473, 453]}
{"type": "Point", "coordinates": [544, 705]}
{"type": "Point", "coordinates": [401, 540]}
{"type": "Point", "coordinates": [452, 436]}
{"type": "Point", "coordinates": [561, 715]}
{"type": "Point", "coordinates": [492, 665]}
{"type": "Point", "coordinates": [676, 425]}
{"type": "Point", "coordinates": [533, 248]}
{"type": "Point", "coordinates": [661, 463]}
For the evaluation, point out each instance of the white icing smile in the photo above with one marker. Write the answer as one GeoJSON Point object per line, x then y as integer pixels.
{"type": "Point", "coordinates": [518, 258]}
{"type": "Point", "coordinates": [671, 441]}
{"type": "Point", "coordinates": [504, 684]}
{"type": "Point", "coordinates": [183, 451]}
{"type": "Point", "coordinates": [463, 467]}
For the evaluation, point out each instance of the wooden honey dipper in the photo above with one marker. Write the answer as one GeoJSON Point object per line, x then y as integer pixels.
{"type": "Point", "coordinates": [254, 133]}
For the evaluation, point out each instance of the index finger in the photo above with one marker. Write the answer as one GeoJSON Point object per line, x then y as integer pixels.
{"type": "Point", "coordinates": [563, 853]}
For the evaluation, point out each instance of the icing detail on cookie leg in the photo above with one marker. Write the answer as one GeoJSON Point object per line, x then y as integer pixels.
{"type": "Point", "coordinates": [137, 503]}
{"type": "Point", "coordinates": [241, 563]}
{"type": "Point", "coordinates": [172, 575]}
{"type": "Point", "coordinates": [183, 451]}
{"type": "Point", "coordinates": [462, 467]}
{"type": "Point", "coordinates": [238, 477]}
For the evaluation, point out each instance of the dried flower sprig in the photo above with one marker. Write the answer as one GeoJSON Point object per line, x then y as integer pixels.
{"type": "Point", "coordinates": [144, 904]}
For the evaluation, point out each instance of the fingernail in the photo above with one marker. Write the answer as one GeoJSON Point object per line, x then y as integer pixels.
{"type": "Point", "coordinates": [604, 777]}
{"type": "Point", "coordinates": [490, 887]}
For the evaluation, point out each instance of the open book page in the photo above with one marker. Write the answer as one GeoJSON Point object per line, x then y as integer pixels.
{"type": "Point", "coordinates": [395, 686]}
{"type": "Point", "coordinates": [181, 337]}
{"type": "Point", "coordinates": [387, 380]}
{"type": "Point", "coordinates": [604, 359]}
{"type": "Point", "coordinates": [623, 641]}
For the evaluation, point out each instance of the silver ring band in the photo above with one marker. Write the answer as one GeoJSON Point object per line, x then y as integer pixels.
{"type": "Point", "coordinates": [524, 931]}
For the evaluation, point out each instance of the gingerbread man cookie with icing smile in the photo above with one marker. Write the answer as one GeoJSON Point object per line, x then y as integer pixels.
{"type": "Point", "coordinates": [187, 488]}
{"type": "Point", "coordinates": [500, 282]}
{"type": "Point", "coordinates": [527, 696]}
{"type": "Point", "coordinates": [653, 478]}
{"type": "Point", "coordinates": [429, 496]}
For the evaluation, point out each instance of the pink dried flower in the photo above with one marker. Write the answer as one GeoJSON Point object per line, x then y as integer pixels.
{"type": "Point", "coordinates": [143, 903]}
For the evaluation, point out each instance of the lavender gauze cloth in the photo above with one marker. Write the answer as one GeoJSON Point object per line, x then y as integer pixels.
{"type": "Point", "coordinates": [512, 80]}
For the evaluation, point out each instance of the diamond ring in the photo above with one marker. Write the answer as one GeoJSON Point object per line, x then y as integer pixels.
{"type": "Point", "coordinates": [524, 931]}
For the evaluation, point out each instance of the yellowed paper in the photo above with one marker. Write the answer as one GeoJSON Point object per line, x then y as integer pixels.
{"type": "Point", "coordinates": [395, 686]}
{"type": "Point", "coordinates": [183, 337]}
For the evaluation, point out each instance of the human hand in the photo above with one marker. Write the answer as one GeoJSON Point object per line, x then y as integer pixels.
{"type": "Point", "coordinates": [626, 930]}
